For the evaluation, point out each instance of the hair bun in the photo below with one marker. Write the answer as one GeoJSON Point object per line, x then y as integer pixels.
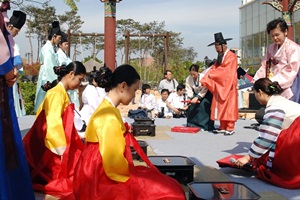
{"type": "Point", "coordinates": [103, 77]}
{"type": "Point", "coordinates": [60, 70]}
{"type": "Point", "coordinates": [55, 24]}
{"type": "Point", "coordinates": [47, 86]}
{"type": "Point", "coordinates": [275, 88]}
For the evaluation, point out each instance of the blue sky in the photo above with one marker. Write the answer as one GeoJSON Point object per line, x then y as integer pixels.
{"type": "Point", "coordinates": [196, 20]}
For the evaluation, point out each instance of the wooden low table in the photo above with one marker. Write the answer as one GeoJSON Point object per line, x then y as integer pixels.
{"type": "Point", "coordinates": [220, 190]}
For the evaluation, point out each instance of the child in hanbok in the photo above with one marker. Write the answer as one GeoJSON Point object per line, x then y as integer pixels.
{"type": "Point", "coordinates": [161, 110]}
{"type": "Point", "coordinates": [147, 100]}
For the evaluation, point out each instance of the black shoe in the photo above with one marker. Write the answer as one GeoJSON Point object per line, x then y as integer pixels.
{"type": "Point", "coordinates": [228, 132]}
{"type": "Point", "coordinates": [217, 131]}
{"type": "Point", "coordinates": [83, 128]}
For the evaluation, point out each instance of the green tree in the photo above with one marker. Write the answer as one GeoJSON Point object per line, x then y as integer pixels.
{"type": "Point", "coordinates": [142, 48]}
{"type": "Point", "coordinates": [22, 3]}
{"type": "Point", "coordinates": [72, 4]}
{"type": "Point", "coordinates": [39, 23]}
{"type": "Point", "coordinates": [28, 93]}
{"type": "Point", "coordinates": [73, 23]}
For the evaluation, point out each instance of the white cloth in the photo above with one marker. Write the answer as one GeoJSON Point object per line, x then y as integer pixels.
{"type": "Point", "coordinates": [170, 85]}
{"type": "Point", "coordinates": [147, 101]}
{"type": "Point", "coordinates": [194, 86]}
{"type": "Point", "coordinates": [290, 108]}
{"type": "Point", "coordinates": [62, 57]}
{"type": "Point", "coordinates": [91, 98]}
{"type": "Point", "coordinates": [162, 104]}
{"type": "Point", "coordinates": [175, 100]}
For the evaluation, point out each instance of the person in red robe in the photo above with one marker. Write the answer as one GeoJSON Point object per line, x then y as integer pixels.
{"type": "Point", "coordinates": [221, 81]}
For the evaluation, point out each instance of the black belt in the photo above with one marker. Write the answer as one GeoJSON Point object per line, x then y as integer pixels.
{"type": "Point", "coordinates": [7, 129]}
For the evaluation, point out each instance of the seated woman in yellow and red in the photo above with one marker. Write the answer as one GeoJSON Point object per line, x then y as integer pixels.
{"type": "Point", "coordinates": [105, 169]}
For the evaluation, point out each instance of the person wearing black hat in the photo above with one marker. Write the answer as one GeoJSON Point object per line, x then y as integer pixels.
{"type": "Point", "coordinates": [221, 81]}
{"type": "Point", "coordinates": [62, 50]}
{"type": "Point", "coordinates": [15, 181]}
{"type": "Point", "coordinates": [16, 22]}
{"type": "Point", "coordinates": [63, 58]}
{"type": "Point", "coordinates": [48, 59]}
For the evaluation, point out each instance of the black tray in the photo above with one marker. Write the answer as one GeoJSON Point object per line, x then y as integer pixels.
{"type": "Point", "coordinates": [143, 145]}
{"type": "Point", "coordinates": [178, 167]}
{"type": "Point", "coordinates": [144, 120]}
{"type": "Point", "coordinates": [143, 129]}
{"type": "Point", "coordinates": [220, 190]}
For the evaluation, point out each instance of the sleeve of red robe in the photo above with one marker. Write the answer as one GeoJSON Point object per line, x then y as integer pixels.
{"type": "Point", "coordinates": [222, 78]}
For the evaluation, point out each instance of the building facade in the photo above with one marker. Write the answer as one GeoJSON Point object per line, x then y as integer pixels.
{"type": "Point", "coordinates": [254, 39]}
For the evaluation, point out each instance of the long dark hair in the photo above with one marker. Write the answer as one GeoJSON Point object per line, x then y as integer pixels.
{"type": "Point", "coordinates": [75, 66]}
{"type": "Point", "coordinates": [109, 80]}
{"type": "Point", "coordinates": [267, 86]}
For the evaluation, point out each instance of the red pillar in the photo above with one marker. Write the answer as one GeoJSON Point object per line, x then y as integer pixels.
{"type": "Point", "coordinates": [287, 16]}
{"type": "Point", "coordinates": [110, 35]}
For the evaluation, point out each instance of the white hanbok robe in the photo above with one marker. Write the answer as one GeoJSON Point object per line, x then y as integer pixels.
{"type": "Point", "coordinates": [18, 100]}
{"type": "Point", "coordinates": [91, 98]}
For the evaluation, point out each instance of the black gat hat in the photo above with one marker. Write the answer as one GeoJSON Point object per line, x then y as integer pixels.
{"type": "Point", "coordinates": [219, 39]}
{"type": "Point", "coordinates": [18, 19]}
{"type": "Point", "coordinates": [55, 28]}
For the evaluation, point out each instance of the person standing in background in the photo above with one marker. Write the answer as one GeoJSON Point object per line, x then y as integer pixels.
{"type": "Point", "coordinates": [221, 81]}
{"type": "Point", "coordinates": [63, 58]}
{"type": "Point", "coordinates": [48, 59]}
{"type": "Point", "coordinates": [283, 61]}
{"type": "Point", "coordinates": [16, 22]}
{"type": "Point", "coordinates": [15, 180]}
{"type": "Point", "coordinates": [168, 82]}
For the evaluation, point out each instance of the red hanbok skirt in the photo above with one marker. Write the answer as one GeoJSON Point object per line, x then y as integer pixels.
{"type": "Point", "coordinates": [145, 183]}
{"type": "Point", "coordinates": [285, 171]}
{"type": "Point", "coordinates": [50, 173]}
